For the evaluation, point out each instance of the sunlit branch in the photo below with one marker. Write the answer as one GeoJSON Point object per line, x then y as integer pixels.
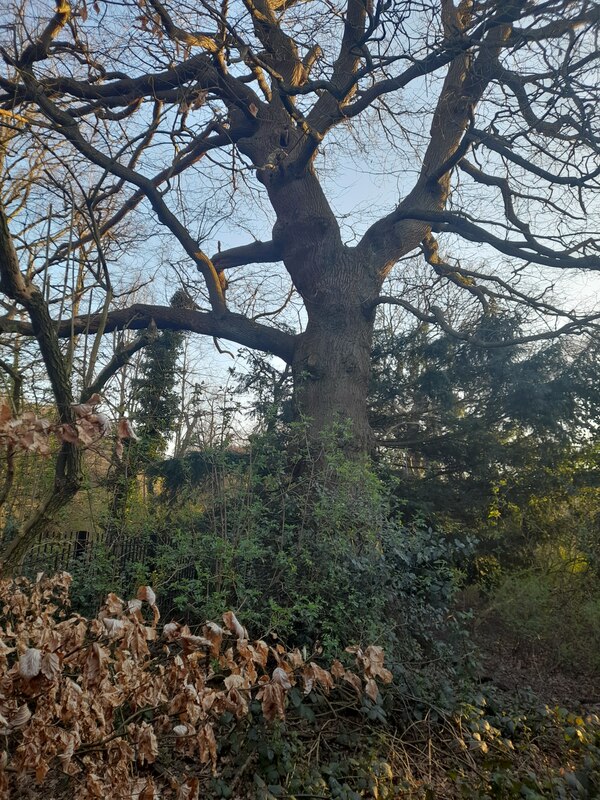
{"type": "Point", "coordinates": [253, 253]}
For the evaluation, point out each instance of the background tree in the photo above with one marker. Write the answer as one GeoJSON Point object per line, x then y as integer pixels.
{"type": "Point", "coordinates": [454, 421]}
{"type": "Point", "coordinates": [65, 392]}
{"type": "Point", "coordinates": [155, 406]}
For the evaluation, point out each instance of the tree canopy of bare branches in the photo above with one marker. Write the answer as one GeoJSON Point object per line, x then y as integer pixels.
{"type": "Point", "coordinates": [488, 111]}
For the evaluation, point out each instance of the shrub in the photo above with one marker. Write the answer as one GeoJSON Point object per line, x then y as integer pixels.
{"type": "Point", "coordinates": [115, 707]}
{"type": "Point", "coordinates": [111, 707]}
{"type": "Point", "coordinates": [319, 559]}
{"type": "Point", "coordinates": [555, 610]}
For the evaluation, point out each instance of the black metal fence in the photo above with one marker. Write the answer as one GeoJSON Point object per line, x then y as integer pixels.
{"type": "Point", "coordinates": [77, 551]}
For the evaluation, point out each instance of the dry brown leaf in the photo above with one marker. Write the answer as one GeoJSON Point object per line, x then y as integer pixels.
{"type": "Point", "coordinates": [94, 665]}
{"type": "Point", "coordinates": [371, 689]}
{"type": "Point", "coordinates": [373, 660]}
{"type": "Point", "coordinates": [20, 718]}
{"type": "Point", "coordinates": [50, 667]}
{"type": "Point", "coordinates": [95, 786]}
{"type": "Point", "coordinates": [337, 669]}
{"type": "Point", "coordinates": [295, 658]}
{"type": "Point", "coordinates": [125, 431]}
{"type": "Point", "coordinates": [237, 682]}
{"type": "Point", "coordinates": [280, 676]}
{"type": "Point", "coordinates": [30, 663]}
{"type": "Point", "coordinates": [71, 701]}
{"type": "Point", "coordinates": [214, 633]}
{"type": "Point", "coordinates": [237, 703]}
{"type": "Point", "coordinates": [272, 697]}
{"type": "Point", "coordinates": [143, 789]}
{"type": "Point", "coordinates": [114, 627]}
{"type": "Point", "coordinates": [189, 790]}
{"type": "Point", "coordinates": [207, 745]}
{"type": "Point", "coordinates": [147, 744]}
{"type": "Point", "coordinates": [41, 770]}
{"type": "Point", "coordinates": [192, 643]}
{"type": "Point", "coordinates": [113, 604]}
{"type": "Point", "coordinates": [68, 433]}
{"type": "Point", "coordinates": [260, 652]}
{"type": "Point", "coordinates": [66, 756]}
{"type": "Point", "coordinates": [321, 676]}
{"type": "Point", "coordinates": [134, 640]}
{"type": "Point", "coordinates": [134, 607]}
{"type": "Point", "coordinates": [233, 624]}
{"type": "Point", "coordinates": [86, 431]}
{"type": "Point", "coordinates": [146, 593]}
{"type": "Point", "coordinates": [354, 681]}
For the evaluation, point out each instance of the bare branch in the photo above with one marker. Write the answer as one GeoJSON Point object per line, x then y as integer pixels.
{"type": "Point", "coordinates": [121, 357]}
{"type": "Point", "coordinates": [233, 327]}
{"type": "Point", "coordinates": [70, 130]}
{"type": "Point", "coordinates": [437, 317]}
{"type": "Point", "coordinates": [530, 250]}
{"type": "Point", "coordinates": [253, 253]}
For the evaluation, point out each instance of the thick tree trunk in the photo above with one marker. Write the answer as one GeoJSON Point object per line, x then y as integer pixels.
{"type": "Point", "coordinates": [331, 362]}
{"type": "Point", "coordinates": [331, 371]}
{"type": "Point", "coordinates": [332, 358]}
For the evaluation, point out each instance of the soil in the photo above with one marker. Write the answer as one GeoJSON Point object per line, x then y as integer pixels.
{"type": "Point", "coordinates": [517, 666]}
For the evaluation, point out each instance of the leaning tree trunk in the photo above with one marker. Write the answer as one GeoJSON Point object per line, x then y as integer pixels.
{"type": "Point", "coordinates": [68, 470]}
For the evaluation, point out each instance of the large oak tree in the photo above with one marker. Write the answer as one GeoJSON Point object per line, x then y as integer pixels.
{"type": "Point", "coordinates": [489, 108]}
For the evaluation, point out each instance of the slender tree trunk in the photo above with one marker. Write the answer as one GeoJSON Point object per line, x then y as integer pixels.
{"type": "Point", "coordinates": [68, 474]}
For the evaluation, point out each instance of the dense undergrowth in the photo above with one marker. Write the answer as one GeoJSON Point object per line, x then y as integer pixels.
{"type": "Point", "coordinates": [323, 560]}
{"type": "Point", "coordinates": [120, 706]}
{"type": "Point", "coordinates": [313, 556]}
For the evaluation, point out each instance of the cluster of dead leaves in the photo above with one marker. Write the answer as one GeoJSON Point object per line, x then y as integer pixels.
{"type": "Point", "coordinates": [97, 701]}
{"type": "Point", "coordinates": [33, 434]}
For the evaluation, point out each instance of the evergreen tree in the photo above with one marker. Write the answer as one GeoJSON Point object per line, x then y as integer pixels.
{"type": "Point", "coordinates": [455, 420]}
{"type": "Point", "coordinates": [155, 413]}
{"type": "Point", "coordinates": [156, 404]}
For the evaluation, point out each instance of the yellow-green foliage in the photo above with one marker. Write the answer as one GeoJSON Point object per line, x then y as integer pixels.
{"type": "Point", "coordinates": [554, 606]}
